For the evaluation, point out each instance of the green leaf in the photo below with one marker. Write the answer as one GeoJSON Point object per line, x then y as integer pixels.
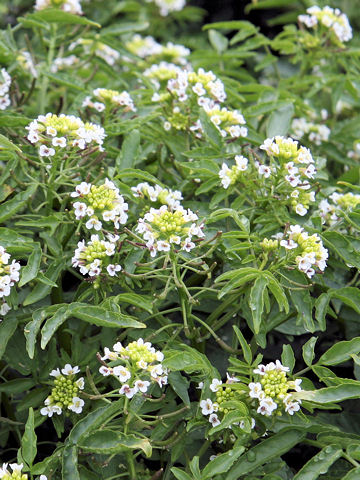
{"type": "Point", "coordinates": [5, 143]}
{"type": "Point", "coordinates": [342, 246]}
{"type": "Point", "coordinates": [140, 301]}
{"type": "Point", "coordinates": [53, 323]}
{"type": "Point", "coordinates": [180, 474]}
{"type": "Point", "coordinates": [320, 463]}
{"type": "Point", "coordinates": [124, 27]}
{"type": "Point", "coordinates": [256, 301]}
{"type": "Point", "coordinates": [340, 352]}
{"type": "Point", "coordinates": [94, 420]}
{"type": "Point", "coordinates": [134, 173]}
{"type": "Point", "coordinates": [7, 329]}
{"type": "Point", "coordinates": [30, 271]}
{"type": "Point", "coordinates": [330, 394]}
{"type": "Point", "coordinates": [218, 41]}
{"type": "Point", "coordinates": [354, 474]}
{"type": "Point", "coordinates": [103, 318]}
{"type": "Point", "coordinates": [180, 385]}
{"type": "Point", "coordinates": [210, 131]}
{"type": "Point", "coordinates": [308, 351]}
{"type": "Point", "coordinates": [70, 463]}
{"type": "Point", "coordinates": [189, 360]}
{"type": "Point", "coordinates": [279, 121]}
{"type": "Point", "coordinates": [278, 292]}
{"type": "Point", "coordinates": [265, 451]}
{"type": "Point", "coordinates": [244, 345]}
{"type": "Point", "coordinates": [55, 15]}
{"type": "Point", "coordinates": [109, 442]}
{"type": "Point", "coordinates": [18, 385]}
{"type": "Point", "coordinates": [321, 308]}
{"type": "Point", "coordinates": [129, 151]}
{"type": "Point", "coordinates": [29, 439]}
{"type": "Point", "coordinates": [222, 463]}
{"type": "Point", "coordinates": [10, 207]}
{"type": "Point", "coordinates": [41, 290]}
{"type": "Point", "coordinates": [288, 357]}
{"type": "Point", "coordinates": [32, 328]}
{"type": "Point", "coordinates": [349, 295]}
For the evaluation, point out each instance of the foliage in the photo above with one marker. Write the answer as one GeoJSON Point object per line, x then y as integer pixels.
{"type": "Point", "coordinates": [179, 243]}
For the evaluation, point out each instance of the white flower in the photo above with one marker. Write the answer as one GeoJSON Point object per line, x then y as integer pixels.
{"type": "Point", "coordinates": [215, 384]}
{"type": "Point", "coordinates": [122, 373]}
{"type": "Point", "coordinates": [69, 370]}
{"type": "Point", "coordinates": [255, 389]}
{"type": "Point", "coordinates": [77, 404]}
{"type": "Point", "coordinates": [206, 406]}
{"type": "Point", "coordinates": [55, 373]}
{"type": "Point", "coordinates": [59, 142]}
{"type": "Point", "coordinates": [264, 170]}
{"type": "Point", "coordinates": [142, 385]}
{"type": "Point", "coordinates": [267, 406]}
{"type": "Point", "coordinates": [93, 222]}
{"type": "Point", "coordinates": [214, 420]}
{"type": "Point", "coordinates": [105, 371]}
{"type": "Point", "coordinates": [80, 209]}
{"type": "Point", "coordinates": [112, 269]}
{"type": "Point", "coordinates": [80, 383]}
{"type": "Point", "coordinates": [126, 390]}
{"type": "Point", "coordinates": [288, 244]}
{"type": "Point", "coordinates": [300, 209]}
{"type": "Point", "coordinates": [49, 410]}
{"type": "Point", "coordinates": [45, 151]}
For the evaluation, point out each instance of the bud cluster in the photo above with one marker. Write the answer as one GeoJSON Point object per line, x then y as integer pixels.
{"type": "Point", "coordinates": [138, 364]}
{"type": "Point", "coordinates": [53, 132]}
{"type": "Point", "coordinates": [164, 196]}
{"type": "Point", "coordinates": [228, 122]}
{"type": "Point", "coordinates": [290, 166]}
{"type": "Point", "coordinates": [332, 19]}
{"type": "Point", "coordinates": [316, 132]}
{"type": "Point", "coordinates": [92, 258]}
{"type": "Point", "coordinates": [15, 474]}
{"type": "Point", "coordinates": [5, 82]}
{"type": "Point", "coordinates": [9, 275]}
{"type": "Point", "coordinates": [229, 176]}
{"type": "Point", "coordinates": [70, 6]}
{"type": "Point", "coordinates": [102, 201]}
{"type": "Point", "coordinates": [272, 392]}
{"type": "Point", "coordinates": [64, 394]}
{"type": "Point", "coordinates": [165, 228]}
{"type": "Point", "coordinates": [110, 100]}
{"type": "Point", "coordinates": [97, 48]}
{"type": "Point", "coordinates": [224, 393]}
{"type": "Point", "coordinates": [342, 201]}
{"type": "Point", "coordinates": [151, 51]}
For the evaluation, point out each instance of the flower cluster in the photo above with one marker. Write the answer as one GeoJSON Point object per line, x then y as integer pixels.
{"type": "Point", "coordinates": [15, 474]}
{"type": "Point", "coordinates": [9, 275]}
{"type": "Point", "coordinates": [200, 83]}
{"type": "Point", "coordinates": [92, 258]}
{"type": "Point", "coordinates": [330, 18]}
{"type": "Point", "coordinates": [308, 250]}
{"type": "Point", "coordinates": [317, 133]}
{"type": "Point", "coordinates": [52, 132]}
{"type": "Point", "coordinates": [27, 63]}
{"type": "Point", "coordinates": [224, 395]}
{"type": "Point", "coordinates": [162, 72]}
{"type": "Point", "coordinates": [293, 164]}
{"type": "Point", "coordinates": [138, 365]}
{"type": "Point", "coordinates": [272, 392]}
{"type": "Point", "coordinates": [168, 6]}
{"type": "Point", "coordinates": [165, 196]}
{"type": "Point", "coordinates": [228, 122]}
{"type": "Point", "coordinates": [65, 392]}
{"type": "Point", "coordinates": [109, 99]}
{"type": "Point", "coordinates": [165, 228]}
{"type": "Point", "coordinates": [95, 47]}
{"type": "Point", "coordinates": [70, 6]}
{"type": "Point", "coordinates": [229, 176]}
{"type": "Point", "coordinates": [62, 63]}
{"type": "Point", "coordinates": [102, 201]}
{"type": "Point", "coordinates": [342, 201]}
{"type": "Point", "coordinates": [149, 49]}
{"type": "Point", "coordinates": [5, 82]}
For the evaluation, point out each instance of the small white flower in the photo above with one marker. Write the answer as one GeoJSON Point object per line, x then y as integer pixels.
{"type": "Point", "coordinates": [126, 390]}
{"type": "Point", "coordinates": [59, 142]}
{"type": "Point", "coordinates": [55, 373]}
{"type": "Point", "coordinates": [142, 385]}
{"type": "Point", "coordinates": [105, 371]}
{"type": "Point", "coordinates": [214, 420]}
{"type": "Point", "coordinates": [122, 373]}
{"type": "Point", "coordinates": [112, 269]}
{"type": "Point", "coordinates": [77, 404]}
{"type": "Point", "coordinates": [93, 222]}
{"type": "Point", "coordinates": [255, 389]}
{"type": "Point", "coordinates": [264, 170]}
{"type": "Point", "coordinates": [206, 406]}
{"type": "Point", "coordinates": [215, 384]}
{"type": "Point", "coordinates": [45, 151]}
{"type": "Point", "coordinates": [69, 370]}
